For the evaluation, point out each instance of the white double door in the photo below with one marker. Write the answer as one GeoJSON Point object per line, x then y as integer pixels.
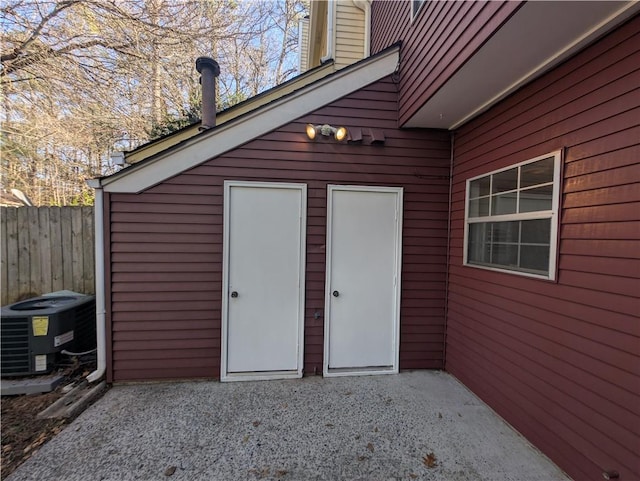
{"type": "Point", "coordinates": [264, 272]}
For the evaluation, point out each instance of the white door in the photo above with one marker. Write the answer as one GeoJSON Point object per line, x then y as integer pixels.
{"type": "Point", "coordinates": [362, 298]}
{"type": "Point", "coordinates": [263, 288]}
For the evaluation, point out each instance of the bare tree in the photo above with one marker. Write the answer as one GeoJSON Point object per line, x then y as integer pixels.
{"type": "Point", "coordinates": [83, 77]}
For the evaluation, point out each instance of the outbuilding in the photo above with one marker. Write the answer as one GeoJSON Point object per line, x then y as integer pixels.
{"type": "Point", "coordinates": [252, 251]}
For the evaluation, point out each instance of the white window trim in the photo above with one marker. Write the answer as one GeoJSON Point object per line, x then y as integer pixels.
{"type": "Point", "coordinates": [552, 214]}
{"type": "Point", "coordinates": [415, 11]}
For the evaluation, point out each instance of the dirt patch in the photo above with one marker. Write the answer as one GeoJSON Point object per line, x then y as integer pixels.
{"type": "Point", "coordinates": [22, 432]}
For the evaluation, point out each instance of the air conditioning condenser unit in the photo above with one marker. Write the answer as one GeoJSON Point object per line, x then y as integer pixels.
{"type": "Point", "coordinates": [35, 331]}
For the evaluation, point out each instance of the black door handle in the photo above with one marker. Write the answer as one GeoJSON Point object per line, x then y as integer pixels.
{"type": "Point", "coordinates": [234, 294]}
{"type": "Point", "coordinates": [336, 293]}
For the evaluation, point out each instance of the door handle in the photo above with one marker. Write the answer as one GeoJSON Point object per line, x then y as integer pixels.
{"type": "Point", "coordinates": [335, 293]}
{"type": "Point", "coordinates": [234, 294]}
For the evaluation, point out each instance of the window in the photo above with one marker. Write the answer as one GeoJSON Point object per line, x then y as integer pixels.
{"type": "Point", "coordinates": [416, 5]}
{"type": "Point", "coordinates": [511, 218]}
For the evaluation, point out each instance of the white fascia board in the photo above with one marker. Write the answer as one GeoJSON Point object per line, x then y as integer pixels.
{"type": "Point", "coordinates": [234, 133]}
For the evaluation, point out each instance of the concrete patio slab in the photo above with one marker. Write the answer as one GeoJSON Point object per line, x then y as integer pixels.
{"type": "Point", "coordinates": [416, 425]}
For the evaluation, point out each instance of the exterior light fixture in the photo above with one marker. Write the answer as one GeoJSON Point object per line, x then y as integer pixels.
{"type": "Point", "coordinates": [311, 131]}
{"type": "Point", "coordinates": [339, 133]}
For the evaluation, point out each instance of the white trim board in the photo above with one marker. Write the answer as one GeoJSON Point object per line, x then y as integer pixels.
{"type": "Point", "coordinates": [232, 134]}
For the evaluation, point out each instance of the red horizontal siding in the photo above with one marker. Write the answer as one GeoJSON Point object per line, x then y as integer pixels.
{"type": "Point", "coordinates": [193, 320]}
{"type": "Point", "coordinates": [166, 243]}
{"type": "Point", "coordinates": [561, 360]}
{"type": "Point", "coordinates": [164, 372]}
{"type": "Point", "coordinates": [442, 37]}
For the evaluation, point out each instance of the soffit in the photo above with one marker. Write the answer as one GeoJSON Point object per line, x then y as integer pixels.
{"type": "Point", "coordinates": [539, 36]}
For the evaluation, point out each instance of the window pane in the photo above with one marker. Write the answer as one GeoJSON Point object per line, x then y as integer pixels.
{"type": "Point", "coordinates": [504, 255]}
{"type": "Point", "coordinates": [416, 6]}
{"type": "Point", "coordinates": [539, 198]}
{"type": "Point", "coordinates": [539, 172]}
{"type": "Point", "coordinates": [504, 204]}
{"type": "Point", "coordinates": [536, 231]}
{"type": "Point", "coordinates": [504, 181]}
{"type": "Point", "coordinates": [535, 258]}
{"type": "Point", "coordinates": [479, 207]}
{"type": "Point", "coordinates": [505, 231]}
{"type": "Point", "coordinates": [478, 247]}
{"type": "Point", "coordinates": [479, 187]}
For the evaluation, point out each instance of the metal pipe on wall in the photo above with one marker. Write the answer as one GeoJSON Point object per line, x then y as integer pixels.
{"type": "Point", "coordinates": [100, 297]}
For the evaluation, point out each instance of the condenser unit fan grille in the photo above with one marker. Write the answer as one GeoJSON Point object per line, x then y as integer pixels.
{"type": "Point", "coordinates": [15, 345]}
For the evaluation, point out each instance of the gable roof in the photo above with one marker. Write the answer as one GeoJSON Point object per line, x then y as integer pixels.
{"type": "Point", "coordinates": [250, 125]}
{"type": "Point", "coordinates": [151, 148]}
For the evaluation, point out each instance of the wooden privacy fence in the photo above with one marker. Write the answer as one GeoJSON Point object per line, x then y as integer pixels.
{"type": "Point", "coordinates": [46, 249]}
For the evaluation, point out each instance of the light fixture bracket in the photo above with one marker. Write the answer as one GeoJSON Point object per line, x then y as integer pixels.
{"type": "Point", "coordinates": [326, 130]}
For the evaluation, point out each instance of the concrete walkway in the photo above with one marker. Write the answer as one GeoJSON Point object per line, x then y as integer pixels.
{"type": "Point", "coordinates": [416, 425]}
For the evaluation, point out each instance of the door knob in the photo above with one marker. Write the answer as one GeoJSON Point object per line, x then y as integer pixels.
{"type": "Point", "coordinates": [335, 293]}
{"type": "Point", "coordinates": [234, 294]}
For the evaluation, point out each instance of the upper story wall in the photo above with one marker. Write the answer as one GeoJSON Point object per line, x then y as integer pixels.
{"type": "Point", "coordinates": [349, 34]}
{"type": "Point", "coordinates": [335, 30]}
{"type": "Point", "coordinates": [435, 44]}
{"type": "Point", "coordinates": [303, 45]}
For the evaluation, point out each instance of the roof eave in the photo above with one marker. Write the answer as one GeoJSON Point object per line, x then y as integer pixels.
{"type": "Point", "coordinates": [175, 138]}
{"type": "Point", "coordinates": [486, 78]}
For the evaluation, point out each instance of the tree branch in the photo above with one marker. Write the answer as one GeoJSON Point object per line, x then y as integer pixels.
{"type": "Point", "coordinates": [31, 59]}
{"type": "Point", "coordinates": [36, 32]}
